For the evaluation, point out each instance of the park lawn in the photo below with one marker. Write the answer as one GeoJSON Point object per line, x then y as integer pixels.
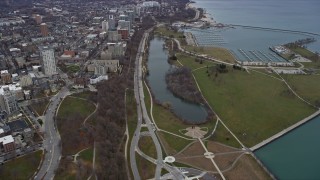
{"type": "Point", "coordinates": [132, 119]}
{"type": "Point", "coordinates": [163, 31]}
{"type": "Point", "coordinates": [253, 106]}
{"type": "Point", "coordinates": [71, 105]}
{"type": "Point", "coordinates": [191, 63]}
{"type": "Point", "coordinates": [306, 86]}
{"type": "Point", "coordinates": [172, 144]}
{"type": "Point", "coordinates": [21, 168]}
{"type": "Point", "coordinates": [146, 168]}
{"type": "Point", "coordinates": [215, 52]}
{"type": "Point", "coordinates": [223, 136]}
{"type": "Point", "coordinates": [87, 155]}
{"type": "Point", "coordinates": [71, 114]}
{"type": "Point", "coordinates": [147, 146]}
{"type": "Point", "coordinates": [73, 68]}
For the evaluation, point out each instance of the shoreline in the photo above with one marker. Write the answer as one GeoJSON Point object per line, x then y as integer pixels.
{"type": "Point", "coordinates": [207, 18]}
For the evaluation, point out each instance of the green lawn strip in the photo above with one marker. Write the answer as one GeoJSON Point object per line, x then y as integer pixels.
{"type": "Point", "coordinates": [311, 65]}
{"type": "Point", "coordinates": [87, 155]}
{"type": "Point", "coordinates": [21, 168]}
{"type": "Point", "coordinates": [147, 146]}
{"type": "Point", "coordinates": [173, 144]}
{"type": "Point", "coordinates": [132, 118]}
{"type": "Point", "coordinates": [253, 106]}
{"type": "Point", "coordinates": [303, 52]}
{"type": "Point", "coordinates": [40, 107]}
{"type": "Point", "coordinates": [178, 164]}
{"type": "Point", "coordinates": [147, 99]}
{"type": "Point", "coordinates": [307, 86]}
{"type": "Point", "coordinates": [215, 52]}
{"type": "Point", "coordinates": [84, 94]}
{"type": "Point", "coordinates": [145, 167]}
{"type": "Point", "coordinates": [164, 171]}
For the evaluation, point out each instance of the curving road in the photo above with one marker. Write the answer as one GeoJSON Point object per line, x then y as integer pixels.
{"type": "Point", "coordinates": [51, 142]}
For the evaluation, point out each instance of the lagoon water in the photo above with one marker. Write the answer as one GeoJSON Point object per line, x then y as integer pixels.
{"type": "Point", "coordinates": [158, 66]}
{"type": "Point", "coordinates": [297, 154]}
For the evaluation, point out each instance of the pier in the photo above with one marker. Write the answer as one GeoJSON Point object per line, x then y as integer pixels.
{"type": "Point", "coordinates": [285, 131]}
{"type": "Point", "coordinates": [255, 55]}
{"type": "Point", "coordinates": [267, 57]}
{"type": "Point", "coordinates": [245, 54]}
{"type": "Point", "coordinates": [275, 29]}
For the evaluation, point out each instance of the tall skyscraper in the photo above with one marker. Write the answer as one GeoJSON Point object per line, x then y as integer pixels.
{"type": "Point", "coordinates": [44, 29]}
{"type": "Point", "coordinates": [48, 61]}
{"type": "Point", "coordinates": [105, 26]}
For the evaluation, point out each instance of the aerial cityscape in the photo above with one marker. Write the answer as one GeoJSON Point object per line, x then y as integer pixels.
{"type": "Point", "coordinates": [161, 89]}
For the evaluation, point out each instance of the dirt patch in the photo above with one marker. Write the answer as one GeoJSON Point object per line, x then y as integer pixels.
{"type": "Point", "coordinates": [198, 162]}
{"type": "Point", "coordinates": [225, 161]}
{"type": "Point", "coordinates": [219, 148]}
{"type": "Point", "coordinates": [246, 169]}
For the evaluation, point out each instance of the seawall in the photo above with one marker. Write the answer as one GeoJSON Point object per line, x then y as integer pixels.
{"type": "Point", "coordinates": [285, 131]}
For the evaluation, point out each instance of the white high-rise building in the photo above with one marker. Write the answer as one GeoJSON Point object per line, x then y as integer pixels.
{"type": "Point", "coordinates": [105, 26]}
{"type": "Point", "coordinates": [48, 61]}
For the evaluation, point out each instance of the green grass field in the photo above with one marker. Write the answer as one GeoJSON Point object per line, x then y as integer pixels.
{"type": "Point", "coordinates": [163, 31]}
{"type": "Point", "coordinates": [185, 59]}
{"type": "Point", "coordinates": [21, 168]}
{"type": "Point", "coordinates": [216, 52]}
{"type": "Point", "coordinates": [224, 136]}
{"type": "Point", "coordinates": [253, 106]}
{"type": "Point", "coordinates": [307, 86]}
{"type": "Point", "coordinates": [71, 106]}
{"type": "Point", "coordinates": [173, 144]}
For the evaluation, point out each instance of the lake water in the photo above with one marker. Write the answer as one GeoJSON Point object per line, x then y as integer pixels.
{"type": "Point", "coordinates": [158, 67]}
{"type": "Point", "coordinates": [297, 154]}
{"type": "Point", "coordinates": [299, 15]}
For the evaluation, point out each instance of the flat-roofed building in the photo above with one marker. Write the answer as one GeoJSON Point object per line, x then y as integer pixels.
{"type": "Point", "coordinates": [7, 142]}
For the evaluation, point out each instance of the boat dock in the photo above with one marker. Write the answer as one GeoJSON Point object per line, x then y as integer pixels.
{"type": "Point", "coordinates": [285, 131]}
{"type": "Point", "coordinates": [245, 54]}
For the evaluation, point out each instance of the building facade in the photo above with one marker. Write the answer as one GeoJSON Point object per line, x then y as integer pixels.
{"type": "Point", "coordinates": [48, 61]}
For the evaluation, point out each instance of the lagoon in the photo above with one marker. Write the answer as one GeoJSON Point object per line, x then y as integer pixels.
{"type": "Point", "coordinates": [158, 66]}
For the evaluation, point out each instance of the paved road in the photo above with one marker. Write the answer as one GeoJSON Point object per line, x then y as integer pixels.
{"type": "Point", "coordinates": [52, 138]}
